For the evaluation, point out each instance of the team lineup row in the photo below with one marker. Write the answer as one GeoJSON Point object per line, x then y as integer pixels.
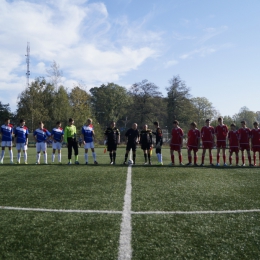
{"type": "Point", "coordinates": [239, 140]}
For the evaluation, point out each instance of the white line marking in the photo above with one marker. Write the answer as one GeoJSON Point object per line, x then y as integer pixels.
{"type": "Point", "coordinates": [125, 249]}
{"type": "Point", "coordinates": [195, 212]}
{"type": "Point", "coordinates": [62, 210]}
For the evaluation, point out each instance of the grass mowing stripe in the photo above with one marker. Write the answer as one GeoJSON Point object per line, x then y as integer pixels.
{"type": "Point", "coordinates": [125, 249]}
{"type": "Point", "coordinates": [63, 210]}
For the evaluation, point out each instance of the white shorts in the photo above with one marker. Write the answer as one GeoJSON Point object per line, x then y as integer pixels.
{"type": "Point", "coordinates": [41, 147]}
{"type": "Point", "coordinates": [89, 145]}
{"type": "Point", "coordinates": [56, 145]}
{"type": "Point", "coordinates": [21, 146]}
{"type": "Point", "coordinates": [7, 143]}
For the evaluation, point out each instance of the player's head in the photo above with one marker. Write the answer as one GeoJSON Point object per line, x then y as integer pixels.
{"type": "Point", "coordinates": [175, 123]}
{"type": "Point", "coordinates": [233, 126]}
{"type": "Point", "coordinates": [255, 124]}
{"type": "Point", "coordinates": [41, 124]}
{"type": "Point", "coordinates": [22, 122]}
{"type": "Point", "coordinates": [145, 127]}
{"type": "Point", "coordinates": [220, 120]}
{"type": "Point", "coordinates": [71, 121]}
{"type": "Point", "coordinates": [243, 123]}
{"type": "Point", "coordinates": [58, 124]}
{"type": "Point", "coordinates": [112, 124]}
{"type": "Point", "coordinates": [7, 121]}
{"type": "Point", "coordinates": [193, 125]}
{"type": "Point", "coordinates": [134, 126]}
{"type": "Point", "coordinates": [207, 121]}
{"type": "Point", "coordinates": [156, 123]}
{"type": "Point", "coordinates": [89, 121]}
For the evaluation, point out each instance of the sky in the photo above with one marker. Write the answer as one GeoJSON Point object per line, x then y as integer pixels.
{"type": "Point", "coordinates": [211, 45]}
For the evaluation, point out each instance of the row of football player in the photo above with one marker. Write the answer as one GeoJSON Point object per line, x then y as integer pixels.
{"type": "Point", "coordinates": [238, 140]}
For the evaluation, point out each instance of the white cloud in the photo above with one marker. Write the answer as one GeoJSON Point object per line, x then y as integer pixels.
{"type": "Point", "coordinates": [170, 63]}
{"type": "Point", "coordinates": [81, 37]}
{"type": "Point", "coordinates": [212, 32]}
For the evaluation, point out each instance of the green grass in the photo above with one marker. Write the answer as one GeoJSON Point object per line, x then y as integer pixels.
{"type": "Point", "coordinates": [53, 235]}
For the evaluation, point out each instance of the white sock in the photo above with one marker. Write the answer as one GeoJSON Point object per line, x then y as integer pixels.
{"type": "Point", "coordinates": [25, 156]}
{"type": "Point", "coordinates": [2, 154]}
{"type": "Point", "coordinates": [160, 156]}
{"type": "Point", "coordinates": [45, 157]}
{"type": "Point", "coordinates": [38, 157]}
{"type": "Point", "coordinates": [53, 157]}
{"type": "Point", "coordinates": [11, 155]}
{"type": "Point", "coordinates": [59, 157]}
{"type": "Point", "coordinates": [94, 156]}
{"type": "Point", "coordinates": [86, 157]}
{"type": "Point", "coordinates": [18, 157]}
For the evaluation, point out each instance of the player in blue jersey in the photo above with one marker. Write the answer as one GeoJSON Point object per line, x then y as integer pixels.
{"type": "Point", "coordinates": [6, 133]}
{"type": "Point", "coordinates": [41, 136]}
{"type": "Point", "coordinates": [57, 135]}
{"type": "Point", "coordinates": [21, 138]}
{"type": "Point", "coordinates": [87, 134]}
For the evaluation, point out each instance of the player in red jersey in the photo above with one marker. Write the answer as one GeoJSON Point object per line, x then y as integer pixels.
{"type": "Point", "coordinates": [244, 136]}
{"type": "Point", "coordinates": [193, 143]}
{"type": "Point", "coordinates": [176, 142]}
{"type": "Point", "coordinates": [207, 136]}
{"type": "Point", "coordinates": [233, 138]}
{"type": "Point", "coordinates": [255, 142]}
{"type": "Point", "coordinates": [221, 132]}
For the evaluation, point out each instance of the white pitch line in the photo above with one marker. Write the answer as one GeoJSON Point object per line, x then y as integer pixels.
{"type": "Point", "coordinates": [125, 249]}
{"type": "Point", "coordinates": [195, 212]}
{"type": "Point", "coordinates": [62, 210]}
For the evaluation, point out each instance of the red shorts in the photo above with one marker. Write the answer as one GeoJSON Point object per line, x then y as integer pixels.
{"type": "Point", "coordinates": [207, 145]}
{"type": "Point", "coordinates": [175, 147]}
{"type": "Point", "coordinates": [193, 148]}
{"type": "Point", "coordinates": [233, 149]}
{"type": "Point", "coordinates": [256, 149]}
{"type": "Point", "coordinates": [221, 144]}
{"type": "Point", "coordinates": [244, 147]}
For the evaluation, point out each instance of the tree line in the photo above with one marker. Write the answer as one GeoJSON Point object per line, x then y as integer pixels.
{"type": "Point", "coordinates": [142, 103]}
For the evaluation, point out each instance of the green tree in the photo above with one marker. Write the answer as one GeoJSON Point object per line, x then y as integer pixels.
{"type": "Point", "coordinates": [245, 114]}
{"type": "Point", "coordinates": [5, 112]}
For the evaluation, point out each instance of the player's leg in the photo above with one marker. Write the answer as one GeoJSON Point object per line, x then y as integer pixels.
{"type": "Point", "coordinates": [180, 156]}
{"type": "Point", "coordinates": [149, 155]}
{"type": "Point", "coordinates": [76, 151]}
{"type": "Point", "coordinates": [134, 152]}
{"type": "Point", "coordinates": [86, 153]}
{"type": "Point", "coordinates": [249, 157]}
{"type": "Point", "coordinates": [203, 156]}
{"type": "Point", "coordinates": [210, 157]}
{"type": "Point", "coordinates": [243, 157]}
{"type": "Point", "coordinates": [44, 150]}
{"type": "Point", "coordinates": [53, 154]}
{"type": "Point", "coordinates": [69, 150]}
{"type": "Point", "coordinates": [224, 155]}
{"type": "Point", "coordinates": [114, 156]}
{"type": "Point", "coordinates": [2, 153]}
{"type": "Point", "coordinates": [195, 154]}
{"type": "Point", "coordinates": [18, 148]}
{"type": "Point", "coordinates": [145, 155]}
{"type": "Point", "coordinates": [218, 155]}
{"type": "Point", "coordinates": [237, 157]}
{"type": "Point", "coordinates": [189, 157]}
{"type": "Point", "coordinates": [230, 157]}
{"type": "Point", "coordinates": [172, 156]}
{"type": "Point", "coordinates": [93, 153]}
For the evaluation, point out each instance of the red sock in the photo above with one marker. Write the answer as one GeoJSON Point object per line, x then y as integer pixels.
{"type": "Point", "coordinates": [172, 157]}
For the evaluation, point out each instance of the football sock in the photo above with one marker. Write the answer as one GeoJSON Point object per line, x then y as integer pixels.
{"type": "Point", "coordinates": [249, 159]}
{"type": "Point", "coordinates": [160, 157]}
{"type": "Point", "coordinates": [2, 154]}
{"type": "Point", "coordinates": [114, 156]}
{"type": "Point", "coordinates": [172, 158]}
{"type": "Point", "coordinates": [149, 157]}
{"type": "Point", "coordinates": [254, 156]}
{"type": "Point", "coordinates": [76, 158]}
{"type": "Point", "coordinates": [53, 157]}
{"type": "Point", "coordinates": [59, 157]}
{"type": "Point", "coordinates": [202, 159]}
{"type": "Point", "coordinates": [94, 156]}
{"type": "Point", "coordinates": [11, 155]}
{"type": "Point", "coordinates": [45, 157]}
{"type": "Point", "coordinates": [237, 159]}
{"type": "Point", "coordinates": [210, 158]}
{"type": "Point", "coordinates": [25, 156]}
{"type": "Point", "coordinates": [126, 155]}
{"type": "Point", "coordinates": [86, 157]}
{"type": "Point", "coordinates": [195, 159]}
{"type": "Point", "coordinates": [134, 155]}
{"type": "Point", "coordinates": [38, 157]}
{"type": "Point", "coordinates": [189, 158]}
{"type": "Point", "coordinates": [110, 155]}
{"type": "Point", "coordinates": [180, 158]}
{"type": "Point", "coordinates": [145, 157]}
{"type": "Point", "coordinates": [18, 157]}
{"type": "Point", "coordinates": [218, 158]}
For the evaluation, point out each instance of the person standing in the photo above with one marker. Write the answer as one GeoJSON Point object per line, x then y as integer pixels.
{"type": "Point", "coordinates": [21, 139]}
{"type": "Point", "coordinates": [70, 138]}
{"type": "Point", "coordinates": [159, 141]}
{"type": "Point", "coordinates": [112, 139]}
{"type": "Point", "coordinates": [57, 135]}
{"type": "Point", "coordinates": [88, 134]}
{"type": "Point", "coordinates": [233, 138]}
{"type": "Point", "coordinates": [221, 132]}
{"type": "Point", "coordinates": [146, 141]}
{"type": "Point", "coordinates": [193, 143]}
{"type": "Point", "coordinates": [244, 137]}
{"type": "Point", "coordinates": [207, 136]}
{"type": "Point", "coordinates": [255, 141]}
{"type": "Point", "coordinates": [7, 133]}
{"type": "Point", "coordinates": [132, 139]}
{"type": "Point", "coordinates": [41, 136]}
{"type": "Point", "coordinates": [176, 142]}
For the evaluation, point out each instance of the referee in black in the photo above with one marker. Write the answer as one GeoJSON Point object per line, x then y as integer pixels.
{"type": "Point", "coordinates": [112, 139]}
{"type": "Point", "coordinates": [132, 139]}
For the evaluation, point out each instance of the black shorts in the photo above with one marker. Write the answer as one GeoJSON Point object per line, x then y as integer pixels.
{"type": "Point", "coordinates": [111, 147]}
{"type": "Point", "coordinates": [145, 146]}
{"type": "Point", "coordinates": [130, 146]}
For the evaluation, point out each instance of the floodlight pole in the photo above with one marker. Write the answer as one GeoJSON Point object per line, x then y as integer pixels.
{"type": "Point", "coordinates": [28, 63]}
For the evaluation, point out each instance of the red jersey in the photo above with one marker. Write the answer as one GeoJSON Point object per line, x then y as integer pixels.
{"type": "Point", "coordinates": [193, 136]}
{"type": "Point", "coordinates": [255, 135]}
{"type": "Point", "coordinates": [177, 135]}
{"type": "Point", "coordinates": [233, 138]}
{"type": "Point", "coordinates": [221, 132]}
{"type": "Point", "coordinates": [244, 135]}
{"type": "Point", "coordinates": [207, 134]}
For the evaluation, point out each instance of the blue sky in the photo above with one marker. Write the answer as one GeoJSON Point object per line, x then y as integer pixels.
{"type": "Point", "coordinates": [212, 45]}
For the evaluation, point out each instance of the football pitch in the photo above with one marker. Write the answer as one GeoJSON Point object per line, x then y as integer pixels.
{"type": "Point", "coordinates": [128, 212]}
